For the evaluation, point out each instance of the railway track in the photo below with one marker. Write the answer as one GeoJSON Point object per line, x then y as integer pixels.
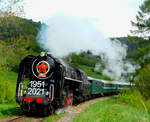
{"type": "Point", "coordinates": [12, 119]}
{"type": "Point", "coordinates": [23, 118]}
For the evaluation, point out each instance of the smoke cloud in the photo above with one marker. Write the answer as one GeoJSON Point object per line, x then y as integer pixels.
{"type": "Point", "coordinates": [64, 34]}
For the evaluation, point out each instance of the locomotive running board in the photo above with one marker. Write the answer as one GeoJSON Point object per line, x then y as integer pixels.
{"type": "Point", "coordinates": [73, 79]}
{"type": "Point", "coordinates": [62, 110]}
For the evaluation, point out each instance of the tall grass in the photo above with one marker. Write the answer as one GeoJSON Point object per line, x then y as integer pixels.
{"type": "Point", "coordinates": [9, 110]}
{"type": "Point", "coordinates": [133, 97]}
{"type": "Point", "coordinates": [142, 82]}
{"type": "Point", "coordinates": [7, 87]}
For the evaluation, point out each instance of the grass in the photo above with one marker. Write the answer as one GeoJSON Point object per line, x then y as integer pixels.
{"type": "Point", "coordinates": [7, 110]}
{"type": "Point", "coordinates": [8, 106]}
{"type": "Point", "coordinates": [8, 76]}
{"type": "Point", "coordinates": [8, 82]}
{"type": "Point", "coordinates": [112, 111]}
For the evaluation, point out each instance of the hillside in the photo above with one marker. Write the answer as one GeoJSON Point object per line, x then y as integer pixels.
{"type": "Point", "coordinates": [87, 62]}
{"type": "Point", "coordinates": [132, 46]}
{"type": "Point", "coordinates": [17, 40]}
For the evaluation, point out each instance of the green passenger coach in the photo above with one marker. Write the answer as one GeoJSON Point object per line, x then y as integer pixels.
{"type": "Point", "coordinates": [99, 86]}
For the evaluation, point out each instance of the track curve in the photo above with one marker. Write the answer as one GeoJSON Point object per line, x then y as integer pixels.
{"type": "Point", "coordinates": [72, 112]}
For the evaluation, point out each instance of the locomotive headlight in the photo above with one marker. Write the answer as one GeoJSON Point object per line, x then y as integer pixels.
{"type": "Point", "coordinates": [42, 54]}
{"type": "Point", "coordinates": [25, 92]}
{"type": "Point", "coordinates": [47, 93]}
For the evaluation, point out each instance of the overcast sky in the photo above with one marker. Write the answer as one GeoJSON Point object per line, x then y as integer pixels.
{"type": "Point", "coordinates": [112, 17]}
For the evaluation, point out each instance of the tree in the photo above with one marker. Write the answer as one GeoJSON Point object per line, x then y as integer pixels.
{"type": "Point", "coordinates": [141, 34]}
{"type": "Point", "coordinates": [17, 35]}
{"type": "Point", "coordinates": [11, 8]}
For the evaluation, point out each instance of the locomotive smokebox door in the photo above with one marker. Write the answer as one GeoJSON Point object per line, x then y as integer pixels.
{"type": "Point", "coordinates": [43, 67]}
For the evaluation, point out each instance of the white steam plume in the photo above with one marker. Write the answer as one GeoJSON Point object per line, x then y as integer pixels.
{"type": "Point", "coordinates": [64, 34]}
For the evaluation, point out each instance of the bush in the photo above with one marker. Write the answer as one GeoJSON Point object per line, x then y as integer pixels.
{"type": "Point", "coordinates": [143, 82]}
{"type": "Point", "coordinates": [131, 97]}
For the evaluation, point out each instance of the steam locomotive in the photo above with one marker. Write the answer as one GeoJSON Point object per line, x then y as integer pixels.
{"type": "Point", "coordinates": [46, 84]}
{"type": "Point", "coordinates": [50, 84]}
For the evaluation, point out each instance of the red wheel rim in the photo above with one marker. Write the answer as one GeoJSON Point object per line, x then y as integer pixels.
{"type": "Point", "coordinates": [69, 100]}
{"type": "Point", "coordinates": [52, 112]}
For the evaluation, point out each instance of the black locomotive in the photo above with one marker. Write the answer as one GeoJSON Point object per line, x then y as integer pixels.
{"type": "Point", "coordinates": [51, 84]}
